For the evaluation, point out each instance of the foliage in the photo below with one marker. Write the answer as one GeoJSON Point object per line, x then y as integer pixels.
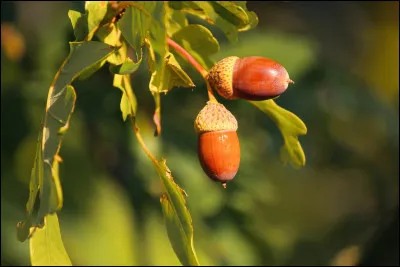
{"type": "Point", "coordinates": [121, 35]}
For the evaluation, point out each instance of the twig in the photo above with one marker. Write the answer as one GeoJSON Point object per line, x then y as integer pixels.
{"type": "Point", "coordinates": [203, 72]}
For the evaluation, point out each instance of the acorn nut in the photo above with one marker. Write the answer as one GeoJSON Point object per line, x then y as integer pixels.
{"type": "Point", "coordinates": [218, 142]}
{"type": "Point", "coordinates": [250, 78]}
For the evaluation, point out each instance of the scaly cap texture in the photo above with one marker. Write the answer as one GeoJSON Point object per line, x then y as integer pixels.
{"type": "Point", "coordinates": [215, 117]}
{"type": "Point", "coordinates": [220, 77]}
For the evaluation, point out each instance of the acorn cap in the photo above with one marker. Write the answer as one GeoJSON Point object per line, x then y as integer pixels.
{"type": "Point", "coordinates": [215, 117]}
{"type": "Point", "coordinates": [220, 77]}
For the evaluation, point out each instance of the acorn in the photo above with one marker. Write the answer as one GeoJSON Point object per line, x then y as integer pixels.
{"type": "Point", "coordinates": [218, 142]}
{"type": "Point", "coordinates": [250, 78]}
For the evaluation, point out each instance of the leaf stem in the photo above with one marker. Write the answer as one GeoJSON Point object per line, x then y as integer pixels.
{"type": "Point", "coordinates": [188, 56]}
{"type": "Point", "coordinates": [203, 72]}
{"type": "Point", "coordinates": [135, 129]}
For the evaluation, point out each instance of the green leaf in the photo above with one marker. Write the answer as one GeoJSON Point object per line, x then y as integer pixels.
{"type": "Point", "coordinates": [56, 123]}
{"type": "Point", "coordinates": [23, 229]}
{"type": "Point", "coordinates": [83, 56]}
{"type": "Point", "coordinates": [135, 24]}
{"type": "Point", "coordinates": [125, 106]}
{"type": "Point", "coordinates": [92, 70]}
{"type": "Point", "coordinates": [211, 16]}
{"type": "Point", "coordinates": [128, 103]}
{"type": "Point", "coordinates": [85, 25]}
{"type": "Point", "coordinates": [231, 12]}
{"type": "Point", "coordinates": [176, 21]}
{"type": "Point", "coordinates": [177, 217]}
{"type": "Point", "coordinates": [96, 11]}
{"type": "Point", "coordinates": [167, 75]}
{"type": "Point", "coordinates": [36, 173]}
{"type": "Point", "coordinates": [199, 42]}
{"type": "Point", "coordinates": [184, 5]}
{"type": "Point", "coordinates": [173, 76]}
{"type": "Point", "coordinates": [291, 127]}
{"type": "Point", "coordinates": [176, 5]}
{"type": "Point", "coordinates": [252, 16]}
{"type": "Point", "coordinates": [111, 35]}
{"type": "Point", "coordinates": [46, 246]}
{"type": "Point", "coordinates": [79, 24]}
{"type": "Point", "coordinates": [253, 22]}
{"type": "Point", "coordinates": [127, 67]}
{"type": "Point", "coordinates": [229, 16]}
{"type": "Point", "coordinates": [119, 56]}
{"type": "Point", "coordinates": [59, 107]}
{"type": "Point", "coordinates": [158, 32]}
{"type": "Point", "coordinates": [157, 44]}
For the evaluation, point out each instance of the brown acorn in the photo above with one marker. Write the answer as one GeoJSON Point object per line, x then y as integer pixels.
{"type": "Point", "coordinates": [218, 142]}
{"type": "Point", "coordinates": [250, 78]}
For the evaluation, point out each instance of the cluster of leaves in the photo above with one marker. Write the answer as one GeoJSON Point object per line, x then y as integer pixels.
{"type": "Point", "coordinates": [121, 34]}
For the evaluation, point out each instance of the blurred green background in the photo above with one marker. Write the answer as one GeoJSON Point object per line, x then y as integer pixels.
{"type": "Point", "coordinates": [341, 209]}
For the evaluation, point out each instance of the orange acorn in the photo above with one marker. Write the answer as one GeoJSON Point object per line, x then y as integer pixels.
{"type": "Point", "coordinates": [218, 142]}
{"type": "Point", "coordinates": [250, 78]}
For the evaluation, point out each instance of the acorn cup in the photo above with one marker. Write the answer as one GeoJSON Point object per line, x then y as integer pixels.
{"type": "Point", "coordinates": [218, 142]}
{"type": "Point", "coordinates": [250, 78]}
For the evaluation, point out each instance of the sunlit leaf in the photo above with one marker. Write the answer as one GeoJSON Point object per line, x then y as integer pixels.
{"type": "Point", "coordinates": [199, 42]}
{"type": "Point", "coordinates": [158, 48]}
{"type": "Point", "coordinates": [59, 107]}
{"type": "Point", "coordinates": [156, 73]}
{"type": "Point", "coordinates": [290, 126]}
{"type": "Point", "coordinates": [177, 76]}
{"type": "Point", "coordinates": [231, 12]}
{"type": "Point", "coordinates": [187, 5]}
{"type": "Point", "coordinates": [177, 218]}
{"type": "Point", "coordinates": [173, 76]}
{"type": "Point", "coordinates": [209, 15]}
{"type": "Point", "coordinates": [127, 67]}
{"type": "Point", "coordinates": [56, 179]}
{"type": "Point", "coordinates": [119, 56]}
{"type": "Point", "coordinates": [79, 24]}
{"type": "Point", "coordinates": [46, 246]}
{"type": "Point", "coordinates": [158, 32]}
{"type": "Point", "coordinates": [253, 22]}
{"type": "Point", "coordinates": [125, 106]}
{"type": "Point", "coordinates": [128, 102]}
{"type": "Point", "coordinates": [252, 16]}
{"type": "Point", "coordinates": [111, 35]}
{"type": "Point", "coordinates": [176, 21]}
{"type": "Point", "coordinates": [135, 23]}
{"type": "Point", "coordinates": [167, 75]}
{"type": "Point", "coordinates": [96, 11]}
{"type": "Point", "coordinates": [229, 16]}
